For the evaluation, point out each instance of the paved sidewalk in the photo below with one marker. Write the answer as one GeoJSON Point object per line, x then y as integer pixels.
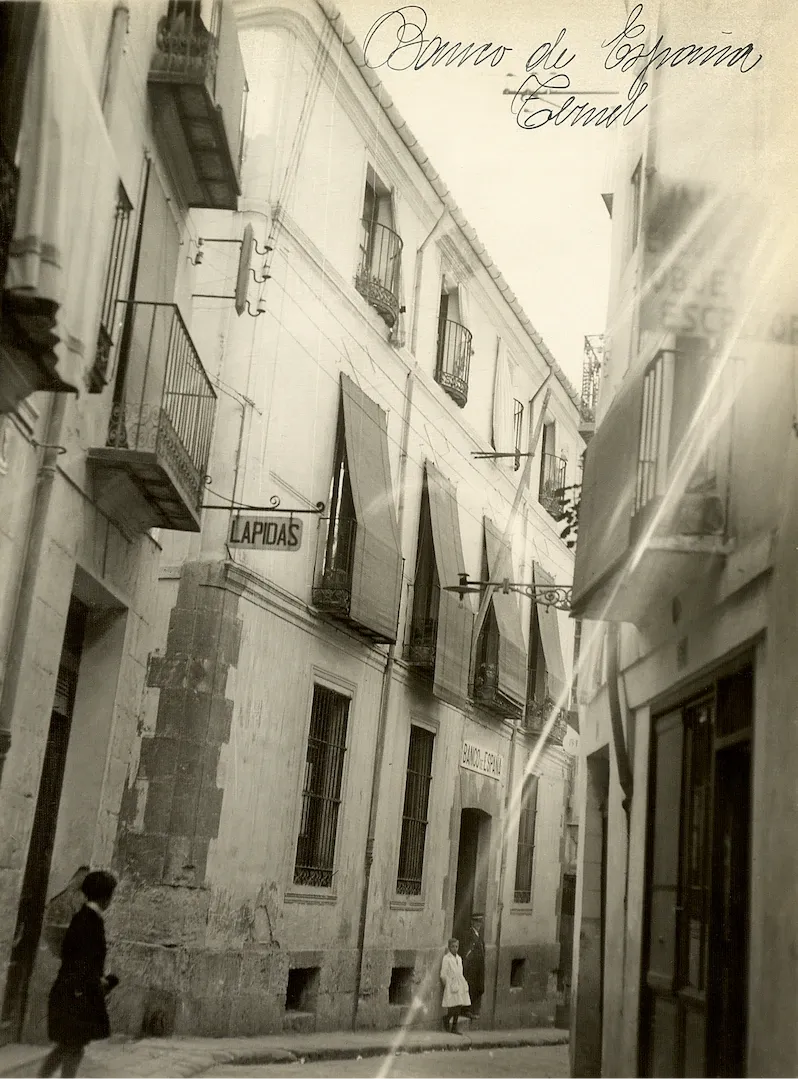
{"type": "Point", "coordinates": [180, 1057]}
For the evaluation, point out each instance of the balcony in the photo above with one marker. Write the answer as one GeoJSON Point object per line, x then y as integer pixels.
{"type": "Point", "coordinates": [151, 471]}
{"type": "Point", "coordinates": [537, 715]}
{"type": "Point", "coordinates": [421, 644]}
{"type": "Point", "coordinates": [552, 485]}
{"type": "Point", "coordinates": [197, 88]}
{"type": "Point", "coordinates": [377, 279]}
{"type": "Point", "coordinates": [488, 694]}
{"type": "Point", "coordinates": [454, 358]}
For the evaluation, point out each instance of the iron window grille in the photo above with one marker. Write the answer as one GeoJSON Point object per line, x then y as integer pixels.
{"type": "Point", "coordinates": [414, 815]}
{"type": "Point", "coordinates": [526, 841]}
{"type": "Point", "coordinates": [552, 484]}
{"type": "Point", "coordinates": [321, 792]}
{"type": "Point", "coordinates": [98, 376]}
{"type": "Point", "coordinates": [423, 632]}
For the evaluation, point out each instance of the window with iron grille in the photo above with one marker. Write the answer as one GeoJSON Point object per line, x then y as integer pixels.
{"type": "Point", "coordinates": [527, 816]}
{"type": "Point", "coordinates": [414, 816]}
{"type": "Point", "coordinates": [321, 793]}
{"type": "Point", "coordinates": [98, 376]}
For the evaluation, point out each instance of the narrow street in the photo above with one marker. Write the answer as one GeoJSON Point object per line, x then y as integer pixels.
{"type": "Point", "coordinates": [522, 1061]}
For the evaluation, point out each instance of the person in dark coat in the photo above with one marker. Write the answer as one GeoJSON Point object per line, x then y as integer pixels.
{"type": "Point", "coordinates": [76, 1009]}
{"type": "Point", "coordinates": [474, 963]}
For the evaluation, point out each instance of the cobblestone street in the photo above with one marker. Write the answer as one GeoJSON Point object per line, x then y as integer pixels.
{"type": "Point", "coordinates": [525, 1061]}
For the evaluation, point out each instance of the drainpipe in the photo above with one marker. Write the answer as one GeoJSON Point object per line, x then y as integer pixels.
{"type": "Point", "coordinates": [382, 723]}
{"type": "Point", "coordinates": [616, 720]}
{"type": "Point", "coordinates": [27, 585]}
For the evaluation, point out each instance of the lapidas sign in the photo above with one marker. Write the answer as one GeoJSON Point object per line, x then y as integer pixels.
{"type": "Point", "coordinates": [265, 533]}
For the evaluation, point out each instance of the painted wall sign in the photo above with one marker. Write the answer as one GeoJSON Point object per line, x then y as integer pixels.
{"type": "Point", "coordinates": [477, 759]}
{"type": "Point", "coordinates": [266, 533]}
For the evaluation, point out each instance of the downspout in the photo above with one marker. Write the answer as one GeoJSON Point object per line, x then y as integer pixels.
{"type": "Point", "coordinates": [382, 723]}
{"type": "Point", "coordinates": [616, 719]}
{"type": "Point", "coordinates": [27, 585]}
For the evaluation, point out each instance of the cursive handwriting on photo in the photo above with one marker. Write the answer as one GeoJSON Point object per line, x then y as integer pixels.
{"type": "Point", "coordinates": [399, 39]}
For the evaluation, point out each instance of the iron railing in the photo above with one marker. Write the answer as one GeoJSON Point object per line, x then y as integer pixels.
{"type": "Point", "coordinates": [454, 358]}
{"type": "Point", "coordinates": [377, 278]}
{"type": "Point", "coordinates": [423, 636]}
{"type": "Point", "coordinates": [537, 715]}
{"type": "Point", "coordinates": [591, 375]}
{"type": "Point", "coordinates": [185, 48]}
{"type": "Point", "coordinates": [168, 403]}
{"type": "Point", "coordinates": [98, 376]}
{"type": "Point", "coordinates": [414, 814]}
{"type": "Point", "coordinates": [332, 585]}
{"type": "Point", "coordinates": [321, 793]}
{"type": "Point", "coordinates": [552, 485]}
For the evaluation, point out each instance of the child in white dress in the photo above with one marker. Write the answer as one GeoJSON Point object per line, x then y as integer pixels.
{"type": "Point", "coordinates": [455, 987]}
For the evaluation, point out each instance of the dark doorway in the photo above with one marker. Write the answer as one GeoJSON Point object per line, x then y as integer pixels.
{"type": "Point", "coordinates": [693, 1016]}
{"type": "Point", "coordinates": [35, 880]}
{"type": "Point", "coordinates": [470, 891]}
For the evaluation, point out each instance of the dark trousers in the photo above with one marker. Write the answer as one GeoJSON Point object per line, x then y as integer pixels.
{"type": "Point", "coordinates": [451, 1018]}
{"type": "Point", "coordinates": [67, 1056]}
{"type": "Point", "coordinates": [476, 1003]}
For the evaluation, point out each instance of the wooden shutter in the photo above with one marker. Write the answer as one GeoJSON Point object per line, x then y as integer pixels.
{"type": "Point", "coordinates": [377, 563]}
{"type": "Point", "coordinates": [503, 434]}
{"type": "Point", "coordinates": [549, 624]}
{"type": "Point", "coordinates": [455, 616]}
{"type": "Point", "coordinates": [608, 490]}
{"type": "Point", "coordinates": [506, 608]}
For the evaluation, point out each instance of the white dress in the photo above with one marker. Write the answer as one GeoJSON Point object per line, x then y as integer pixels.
{"type": "Point", "coordinates": [455, 987]}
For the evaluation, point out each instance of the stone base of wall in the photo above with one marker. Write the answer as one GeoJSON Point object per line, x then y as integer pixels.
{"type": "Point", "coordinates": [184, 990]}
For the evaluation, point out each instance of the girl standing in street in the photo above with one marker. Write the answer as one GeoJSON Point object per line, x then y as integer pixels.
{"type": "Point", "coordinates": [76, 1010]}
{"type": "Point", "coordinates": [455, 988]}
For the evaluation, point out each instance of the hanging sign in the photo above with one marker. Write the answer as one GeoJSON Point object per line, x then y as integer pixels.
{"type": "Point", "coordinates": [270, 533]}
{"type": "Point", "coordinates": [477, 759]}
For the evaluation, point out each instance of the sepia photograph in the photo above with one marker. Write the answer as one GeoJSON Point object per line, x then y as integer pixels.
{"type": "Point", "coordinates": [398, 538]}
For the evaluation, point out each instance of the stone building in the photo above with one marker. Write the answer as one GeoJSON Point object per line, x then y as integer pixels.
{"type": "Point", "coordinates": [235, 668]}
{"type": "Point", "coordinates": [685, 575]}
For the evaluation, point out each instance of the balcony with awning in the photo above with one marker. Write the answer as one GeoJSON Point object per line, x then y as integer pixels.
{"type": "Point", "coordinates": [438, 642]}
{"type": "Point", "coordinates": [197, 86]}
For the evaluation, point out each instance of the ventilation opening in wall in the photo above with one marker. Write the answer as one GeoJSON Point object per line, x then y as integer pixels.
{"type": "Point", "coordinates": [302, 990]}
{"type": "Point", "coordinates": [517, 967]}
{"type": "Point", "coordinates": [400, 992]}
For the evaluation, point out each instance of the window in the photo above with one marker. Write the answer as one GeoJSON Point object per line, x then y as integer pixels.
{"type": "Point", "coordinates": [302, 989]}
{"type": "Point", "coordinates": [321, 793]}
{"type": "Point", "coordinates": [552, 474]}
{"type": "Point", "coordinates": [526, 841]}
{"type": "Point", "coordinates": [454, 346]}
{"type": "Point", "coordinates": [400, 990]}
{"type": "Point", "coordinates": [426, 595]}
{"type": "Point", "coordinates": [98, 376]}
{"type": "Point", "coordinates": [377, 278]}
{"type": "Point", "coordinates": [414, 815]}
{"type": "Point", "coordinates": [537, 683]}
{"type": "Point", "coordinates": [517, 971]}
{"type": "Point", "coordinates": [340, 543]}
{"type": "Point", "coordinates": [518, 425]}
{"type": "Point", "coordinates": [500, 674]}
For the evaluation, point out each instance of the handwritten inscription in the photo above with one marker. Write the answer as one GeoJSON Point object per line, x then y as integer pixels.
{"type": "Point", "coordinates": [400, 40]}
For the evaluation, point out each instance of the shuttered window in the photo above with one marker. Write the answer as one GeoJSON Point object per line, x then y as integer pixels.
{"type": "Point", "coordinates": [510, 656]}
{"type": "Point", "coordinates": [525, 854]}
{"type": "Point", "coordinates": [98, 376]}
{"type": "Point", "coordinates": [414, 815]}
{"type": "Point", "coordinates": [548, 623]}
{"type": "Point", "coordinates": [321, 793]}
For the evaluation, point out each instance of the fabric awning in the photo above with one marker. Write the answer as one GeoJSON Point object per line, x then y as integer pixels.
{"type": "Point", "coordinates": [608, 490]}
{"type": "Point", "coordinates": [503, 434]}
{"type": "Point", "coordinates": [549, 624]}
{"type": "Point", "coordinates": [455, 616]}
{"type": "Point", "coordinates": [512, 650]}
{"type": "Point", "coordinates": [68, 177]}
{"type": "Point", "coordinates": [377, 565]}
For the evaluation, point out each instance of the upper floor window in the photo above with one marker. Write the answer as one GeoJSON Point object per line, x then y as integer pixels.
{"type": "Point", "coordinates": [454, 345]}
{"type": "Point", "coordinates": [377, 278]}
{"type": "Point", "coordinates": [518, 429]}
{"type": "Point", "coordinates": [552, 474]}
{"type": "Point", "coordinates": [98, 375]}
{"type": "Point", "coordinates": [525, 852]}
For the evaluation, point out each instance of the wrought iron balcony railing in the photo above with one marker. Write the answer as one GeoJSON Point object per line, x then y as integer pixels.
{"type": "Point", "coordinates": [332, 583]}
{"type": "Point", "coordinates": [421, 643]}
{"type": "Point", "coordinates": [489, 695]}
{"type": "Point", "coordinates": [377, 278]}
{"type": "Point", "coordinates": [537, 716]}
{"type": "Point", "coordinates": [198, 89]}
{"type": "Point", "coordinates": [552, 485]}
{"type": "Point", "coordinates": [161, 429]}
{"type": "Point", "coordinates": [454, 358]}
